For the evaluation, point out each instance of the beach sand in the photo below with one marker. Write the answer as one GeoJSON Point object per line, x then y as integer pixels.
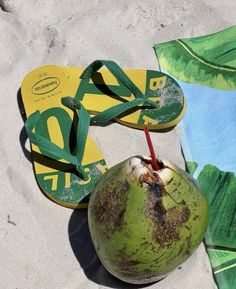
{"type": "Point", "coordinates": [44, 245]}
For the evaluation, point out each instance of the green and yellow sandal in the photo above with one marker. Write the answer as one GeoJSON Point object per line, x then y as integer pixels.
{"type": "Point", "coordinates": [141, 97]}
{"type": "Point", "coordinates": [67, 163]}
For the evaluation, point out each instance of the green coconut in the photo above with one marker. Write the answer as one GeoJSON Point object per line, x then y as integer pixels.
{"type": "Point", "coordinates": [144, 222]}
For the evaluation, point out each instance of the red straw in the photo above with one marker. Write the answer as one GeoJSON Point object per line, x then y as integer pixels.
{"type": "Point", "coordinates": [150, 146]}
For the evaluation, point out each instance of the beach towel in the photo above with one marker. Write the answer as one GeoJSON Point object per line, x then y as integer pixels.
{"type": "Point", "coordinates": [205, 68]}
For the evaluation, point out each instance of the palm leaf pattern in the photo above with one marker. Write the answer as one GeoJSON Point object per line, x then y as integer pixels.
{"type": "Point", "coordinates": [207, 60]}
{"type": "Point", "coordinates": [210, 61]}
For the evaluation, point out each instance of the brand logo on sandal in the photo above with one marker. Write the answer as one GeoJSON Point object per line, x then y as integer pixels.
{"type": "Point", "coordinates": [45, 85]}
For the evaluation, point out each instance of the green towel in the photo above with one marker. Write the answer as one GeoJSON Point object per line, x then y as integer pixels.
{"type": "Point", "coordinates": [205, 68]}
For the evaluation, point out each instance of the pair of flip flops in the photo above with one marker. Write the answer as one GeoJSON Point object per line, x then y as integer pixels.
{"type": "Point", "coordinates": [59, 102]}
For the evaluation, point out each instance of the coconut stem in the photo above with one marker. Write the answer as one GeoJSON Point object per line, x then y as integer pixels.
{"type": "Point", "coordinates": [151, 150]}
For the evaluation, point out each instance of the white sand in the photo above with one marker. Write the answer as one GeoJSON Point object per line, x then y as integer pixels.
{"type": "Point", "coordinates": [43, 245]}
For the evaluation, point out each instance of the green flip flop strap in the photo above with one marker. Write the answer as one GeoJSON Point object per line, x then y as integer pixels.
{"type": "Point", "coordinates": [83, 124]}
{"type": "Point", "coordinates": [51, 149]}
{"type": "Point", "coordinates": [115, 69]}
{"type": "Point", "coordinates": [115, 111]}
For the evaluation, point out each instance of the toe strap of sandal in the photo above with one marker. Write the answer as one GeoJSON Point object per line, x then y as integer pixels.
{"type": "Point", "coordinates": [50, 149]}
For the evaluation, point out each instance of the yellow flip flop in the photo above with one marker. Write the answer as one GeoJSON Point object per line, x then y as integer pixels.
{"type": "Point", "coordinates": [99, 90]}
{"type": "Point", "coordinates": [67, 163]}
